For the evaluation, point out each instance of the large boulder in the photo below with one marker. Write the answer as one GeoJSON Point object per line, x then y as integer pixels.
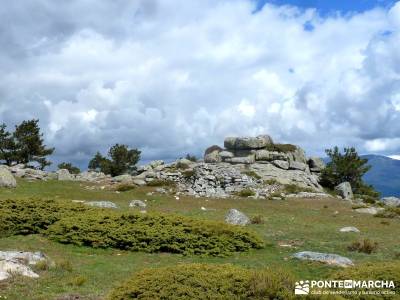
{"type": "Point", "coordinates": [236, 217]}
{"type": "Point", "coordinates": [327, 258]}
{"type": "Point", "coordinates": [63, 174]}
{"type": "Point", "coordinates": [243, 143]}
{"type": "Point", "coordinates": [298, 155]}
{"type": "Point", "coordinates": [211, 154]}
{"type": "Point", "coordinates": [316, 164]}
{"type": "Point", "coordinates": [391, 201]}
{"type": "Point", "coordinates": [6, 178]}
{"type": "Point", "coordinates": [124, 178]}
{"type": "Point", "coordinates": [344, 190]}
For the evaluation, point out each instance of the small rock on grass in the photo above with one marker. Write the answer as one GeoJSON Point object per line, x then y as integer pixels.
{"type": "Point", "coordinates": [349, 229]}
{"type": "Point", "coordinates": [236, 217]}
{"type": "Point", "coordinates": [327, 258]}
{"type": "Point", "coordinates": [137, 203]}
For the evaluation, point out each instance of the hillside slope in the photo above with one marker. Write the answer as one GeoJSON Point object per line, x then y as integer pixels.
{"type": "Point", "coordinates": [384, 174]}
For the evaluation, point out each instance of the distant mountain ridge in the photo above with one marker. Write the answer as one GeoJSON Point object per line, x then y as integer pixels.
{"type": "Point", "coordinates": [384, 174]}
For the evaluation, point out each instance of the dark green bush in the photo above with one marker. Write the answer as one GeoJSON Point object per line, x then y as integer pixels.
{"type": "Point", "coordinates": [153, 233]}
{"type": "Point", "coordinates": [285, 148]}
{"type": "Point", "coordinates": [202, 281]}
{"type": "Point", "coordinates": [29, 216]}
{"type": "Point", "coordinates": [365, 246]}
{"type": "Point", "coordinates": [389, 212]}
{"type": "Point", "coordinates": [161, 182]}
{"type": "Point", "coordinates": [246, 193]}
{"type": "Point", "coordinates": [124, 187]}
{"type": "Point", "coordinates": [294, 189]}
{"type": "Point", "coordinates": [373, 271]}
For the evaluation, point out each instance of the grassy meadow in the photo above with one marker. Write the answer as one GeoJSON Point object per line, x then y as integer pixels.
{"type": "Point", "coordinates": [287, 226]}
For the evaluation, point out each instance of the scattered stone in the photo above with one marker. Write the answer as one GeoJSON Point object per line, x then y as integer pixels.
{"type": "Point", "coordinates": [327, 258]}
{"type": "Point", "coordinates": [63, 174]}
{"type": "Point", "coordinates": [391, 201]}
{"type": "Point", "coordinates": [203, 208]}
{"type": "Point", "coordinates": [309, 195]}
{"type": "Point", "coordinates": [102, 204]}
{"type": "Point", "coordinates": [349, 229]}
{"type": "Point", "coordinates": [160, 190]}
{"type": "Point", "coordinates": [156, 163]}
{"type": "Point", "coordinates": [236, 217]}
{"type": "Point", "coordinates": [344, 190]}
{"type": "Point", "coordinates": [137, 203]}
{"type": "Point", "coordinates": [6, 178]}
{"type": "Point", "coordinates": [369, 210]}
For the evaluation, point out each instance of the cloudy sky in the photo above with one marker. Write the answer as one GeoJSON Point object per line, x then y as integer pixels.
{"type": "Point", "coordinates": [174, 76]}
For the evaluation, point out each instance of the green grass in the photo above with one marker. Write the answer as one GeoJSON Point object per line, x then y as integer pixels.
{"type": "Point", "coordinates": [306, 224]}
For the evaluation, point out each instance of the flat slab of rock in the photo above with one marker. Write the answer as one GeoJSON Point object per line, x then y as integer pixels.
{"type": "Point", "coordinates": [309, 195]}
{"type": "Point", "coordinates": [137, 203]}
{"type": "Point", "coordinates": [6, 178]}
{"type": "Point", "coordinates": [9, 267]}
{"type": "Point", "coordinates": [236, 217]}
{"type": "Point", "coordinates": [327, 258]}
{"type": "Point", "coordinates": [391, 201]}
{"type": "Point", "coordinates": [369, 210]}
{"type": "Point", "coordinates": [102, 204]}
{"type": "Point", "coordinates": [18, 262]}
{"type": "Point", "coordinates": [349, 229]}
{"type": "Point", "coordinates": [31, 258]}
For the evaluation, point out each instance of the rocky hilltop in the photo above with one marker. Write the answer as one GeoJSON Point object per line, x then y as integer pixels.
{"type": "Point", "coordinates": [255, 164]}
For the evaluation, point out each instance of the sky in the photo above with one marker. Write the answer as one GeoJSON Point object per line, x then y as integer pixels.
{"type": "Point", "coordinates": [172, 77]}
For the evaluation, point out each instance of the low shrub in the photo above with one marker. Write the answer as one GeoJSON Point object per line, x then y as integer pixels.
{"type": "Point", "coordinates": [389, 271]}
{"type": "Point", "coordinates": [294, 189]}
{"type": "Point", "coordinates": [390, 212]}
{"type": "Point", "coordinates": [205, 281]}
{"type": "Point", "coordinates": [30, 216]}
{"type": "Point", "coordinates": [161, 182]}
{"type": "Point", "coordinates": [366, 246]}
{"type": "Point", "coordinates": [78, 280]}
{"type": "Point", "coordinates": [245, 193]}
{"type": "Point", "coordinates": [153, 233]}
{"type": "Point", "coordinates": [251, 174]}
{"type": "Point", "coordinates": [359, 205]}
{"type": "Point", "coordinates": [285, 148]}
{"type": "Point", "coordinates": [258, 219]}
{"type": "Point", "coordinates": [124, 187]}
